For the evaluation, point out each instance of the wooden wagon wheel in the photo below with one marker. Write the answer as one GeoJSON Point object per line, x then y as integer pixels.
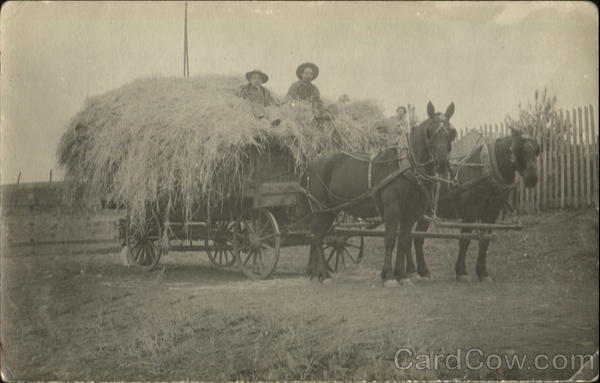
{"type": "Point", "coordinates": [220, 234]}
{"type": "Point", "coordinates": [257, 243]}
{"type": "Point", "coordinates": [143, 249]}
{"type": "Point", "coordinates": [342, 251]}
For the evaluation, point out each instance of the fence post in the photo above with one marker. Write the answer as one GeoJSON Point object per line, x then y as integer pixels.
{"type": "Point", "coordinates": [581, 156]}
{"type": "Point", "coordinates": [569, 141]}
{"type": "Point", "coordinates": [562, 143]}
{"type": "Point", "coordinates": [545, 156]}
{"type": "Point", "coordinates": [594, 157]}
{"type": "Point", "coordinates": [575, 162]}
{"type": "Point", "coordinates": [538, 187]}
{"type": "Point", "coordinates": [555, 167]}
{"type": "Point", "coordinates": [586, 145]}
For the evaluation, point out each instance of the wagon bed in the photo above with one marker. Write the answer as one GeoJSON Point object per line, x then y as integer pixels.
{"type": "Point", "coordinates": [246, 229]}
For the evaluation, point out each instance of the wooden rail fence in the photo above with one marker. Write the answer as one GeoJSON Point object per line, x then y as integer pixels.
{"type": "Point", "coordinates": [567, 165]}
{"type": "Point", "coordinates": [34, 219]}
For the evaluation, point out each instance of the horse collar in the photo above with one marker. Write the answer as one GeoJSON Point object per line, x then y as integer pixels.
{"type": "Point", "coordinates": [496, 175]}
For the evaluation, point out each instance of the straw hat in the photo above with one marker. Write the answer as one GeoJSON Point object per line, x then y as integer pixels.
{"type": "Point", "coordinates": [301, 68]}
{"type": "Point", "coordinates": [258, 72]}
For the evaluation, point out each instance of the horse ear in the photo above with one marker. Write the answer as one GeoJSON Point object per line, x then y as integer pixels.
{"type": "Point", "coordinates": [515, 132]}
{"type": "Point", "coordinates": [430, 110]}
{"type": "Point", "coordinates": [449, 111]}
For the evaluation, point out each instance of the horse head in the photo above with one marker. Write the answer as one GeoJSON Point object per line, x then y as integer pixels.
{"type": "Point", "coordinates": [438, 135]}
{"type": "Point", "coordinates": [524, 152]}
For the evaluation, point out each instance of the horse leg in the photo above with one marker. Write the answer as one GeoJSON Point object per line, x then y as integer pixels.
{"type": "Point", "coordinates": [319, 227]}
{"type": "Point", "coordinates": [460, 267]}
{"type": "Point", "coordinates": [391, 214]}
{"type": "Point", "coordinates": [481, 268]}
{"type": "Point", "coordinates": [422, 269]}
{"type": "Point", "coordinates": [411, 269]}
{"type": "Point", "coordinates": [310, 267]}
{"type": "Point", "coordinates": [404, 247]}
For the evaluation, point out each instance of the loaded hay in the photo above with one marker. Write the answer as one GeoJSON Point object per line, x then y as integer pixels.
{"type": "Point", "coordinates": [186, 140]}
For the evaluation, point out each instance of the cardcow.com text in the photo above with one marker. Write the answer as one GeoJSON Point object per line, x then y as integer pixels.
{"type": "Point", "coordinates": [476, 359]}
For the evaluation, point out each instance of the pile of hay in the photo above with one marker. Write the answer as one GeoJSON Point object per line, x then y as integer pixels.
{"type": "Point", "coordinates": [185, 139]}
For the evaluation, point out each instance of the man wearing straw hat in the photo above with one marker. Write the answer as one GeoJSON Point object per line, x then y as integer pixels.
{"type": "Point", "coordinates": [258, 96]}
{"type": "Point", "coordinates": [305, 90]}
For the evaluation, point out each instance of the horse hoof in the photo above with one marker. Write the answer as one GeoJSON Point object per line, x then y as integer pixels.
{"type": "Point", "coordinates": [486, 279]}
{"type": "Point", "coordinates": [327, 280]}
{"type": "Point", "coordinates": [425, 277]}
{"type": "Point", "coordinates": [390, 283]}
{"type": "Point", "coordinates": [405, 282]}
{"type": "Point", "coordinates": [414, 276]}
{"type": "Point", "coordinates": [463, 278]}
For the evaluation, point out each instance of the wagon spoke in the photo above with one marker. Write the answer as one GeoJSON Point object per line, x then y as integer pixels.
{"type": "Point", "coordinates": [138, 249]}
{"type": "Point", "coordinates": [268, 236]}
{"type": "Point", "coordinates": [151, 252]}
{"type": "Point", "coordinates": [261, 264]}
{"type": "Point", "coordinates": [350, 255]}
{"type": "Point", "coordinates": [250, 253]}
{"type": "Point", "coordinates": [264, 226]}
{"type": "Point", "coordinates": [330, 254]}
{"type": "Point", "coordinates": [142, 259]}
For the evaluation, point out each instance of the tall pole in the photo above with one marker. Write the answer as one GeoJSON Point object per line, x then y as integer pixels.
{"type": "Point", "coordinates": [186, 64]}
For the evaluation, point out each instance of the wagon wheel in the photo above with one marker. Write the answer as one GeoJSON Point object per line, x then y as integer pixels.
{"type": "Point", "coordinates": [220, 234]}
{"type": "Point", "coordinates": [342, 251]}
{"type": "Point", "coordinates": [142, 242]}
{"type": "Point", "coordinates": [257, 243]}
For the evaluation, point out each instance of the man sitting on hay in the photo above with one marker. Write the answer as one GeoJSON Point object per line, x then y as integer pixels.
{"type": "Point", "coordinates": [258, 95]}
{"type": "Point", "coordinates": [305, 90]}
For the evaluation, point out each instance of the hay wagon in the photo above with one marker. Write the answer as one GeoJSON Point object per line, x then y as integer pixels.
{"type": "Point", "coordinates": [246, 230]}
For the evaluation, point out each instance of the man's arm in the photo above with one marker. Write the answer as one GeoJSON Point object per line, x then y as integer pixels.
{"type": "Point", "coordinates": [292, 93]}
{"type": "Point", "coordinates": [243, 91]}
{"type": "Point", "coordinates": [270, 99]}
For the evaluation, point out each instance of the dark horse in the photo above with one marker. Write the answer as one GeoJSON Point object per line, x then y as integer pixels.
{"type": "Point", "coordinates": [480, 196]}
{"type": "Point", "coordinates": [340, 181]}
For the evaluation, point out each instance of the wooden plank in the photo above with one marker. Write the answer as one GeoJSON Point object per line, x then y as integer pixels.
{"type": "Point", "coordinates": [587, 156]}
{"type": "Point", "coordinates": [545, 178]}
{"type": "Point", "coordinates": [555, 175]}
{"type": "Point", "coordinates": [594, 156]}
{"type": "Point", "coordinates": [538, 187]}
{"type": "Point", "coordinates": [569, 165]}
{"type": "Point", "coordinates": [480, 226]}
{"type": "Point", "coordinates": [575, 160]}
{"type": "Point", "coordinates": [581, 157]}
{"type": "Point", "coordinates": [562, 160]}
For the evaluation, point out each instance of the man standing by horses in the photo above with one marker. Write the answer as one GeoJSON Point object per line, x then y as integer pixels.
{"type": "Point", "coordinates": [258, 95]}
{"type": "Point", "coordinates": [305, 90]}
{"type": "Point", "coordinates": [401, 119]}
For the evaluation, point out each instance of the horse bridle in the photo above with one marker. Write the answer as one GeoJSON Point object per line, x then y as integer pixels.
{"type": "Point", "coordinates": [513, 157]}
{"type": "Point", "coordinates": [441, 127]}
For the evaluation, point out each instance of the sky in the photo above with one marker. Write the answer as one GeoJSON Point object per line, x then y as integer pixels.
{"type": "Point", "coordinates": [485, 57]}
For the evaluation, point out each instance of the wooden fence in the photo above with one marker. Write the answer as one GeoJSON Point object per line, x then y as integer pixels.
{"type": "Point", "coordinates": [567, 165]}
{"type": "Point", "coordinates": [35, 219]}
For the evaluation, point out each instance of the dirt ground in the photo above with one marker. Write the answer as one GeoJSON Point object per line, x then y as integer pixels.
{"type": "Point", "coordinates": [68, 317]}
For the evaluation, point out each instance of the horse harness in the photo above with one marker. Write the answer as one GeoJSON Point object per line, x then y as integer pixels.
{"type": "Point", "coordinates": [408, 166]}
{"type": "Point", "coordinates": [490, 172]}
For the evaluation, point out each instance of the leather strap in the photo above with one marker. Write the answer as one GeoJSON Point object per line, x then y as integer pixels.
{"type": "Point", "coordinates": [370, 171]}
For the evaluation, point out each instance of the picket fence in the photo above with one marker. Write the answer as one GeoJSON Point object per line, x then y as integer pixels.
{"type": "Point", "coordinates": [567, 165]}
